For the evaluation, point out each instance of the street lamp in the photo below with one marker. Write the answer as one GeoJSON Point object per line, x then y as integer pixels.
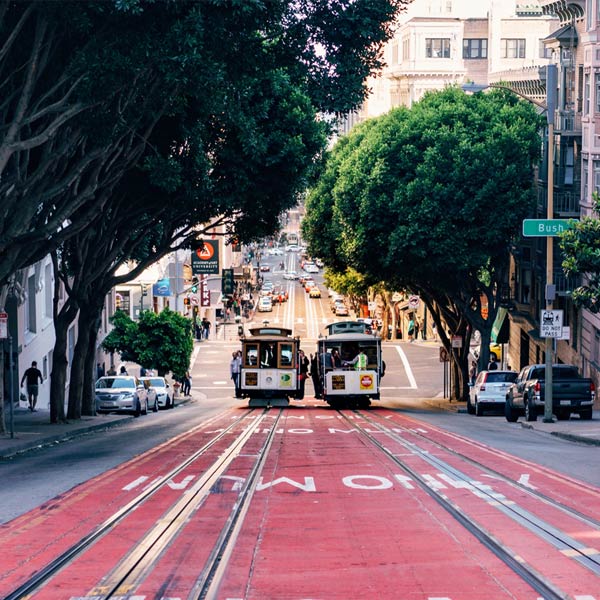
{"type": "Point", "coordinates": [550, 108]}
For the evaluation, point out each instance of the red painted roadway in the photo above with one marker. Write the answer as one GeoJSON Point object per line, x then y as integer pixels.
{"type": "Point", "coordinates": [333, 518]}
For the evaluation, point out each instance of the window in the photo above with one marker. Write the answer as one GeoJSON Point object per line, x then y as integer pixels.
{"type": "Point", "coordinates": [597, 76]}
{"type": "Point", "coordinates": [597, 176]}
{"type": "Point", "coordinates": [569, 164]}
{"type": "Point", "coordinates": [405, 49]}
{"type": "Point", "coordinates": [437, 47]}
{"type": "Point", "coordinates": [475, 48]}
{"type": "Point", "coordinates": [545, 51]}
{"type": "Point", "coordinates": [395, 53]}
{"type": "Point", "coordinates": [512, 48]}
{"type": "Point", "coordinates": [30, 313]}
{"type": "Point", "coordinates": [586, 94]}
{"type": "Point", "coordinates": [584, 176]}
{"type": "Point", "coordinates": [589, 15]}
{"type": "Point", "coordinates": [48, 291]}
{"type": "Point", "coordinates": [595, 354]}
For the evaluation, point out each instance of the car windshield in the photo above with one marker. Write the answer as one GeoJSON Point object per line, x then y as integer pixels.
{"type": "Point", "coordinates": [501, 377]}
{"type": "Point", "coordinates": [157, 381]}
{"type": "Point", "coordinates": [116, 382]}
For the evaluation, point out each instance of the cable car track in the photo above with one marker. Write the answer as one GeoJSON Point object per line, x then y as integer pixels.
{"type": "Point", "coordinates": [526, 571]}
{"type": "Point", "coordinates": [132, 569]}
{"type": "Point", "coordinates": [498, 475]}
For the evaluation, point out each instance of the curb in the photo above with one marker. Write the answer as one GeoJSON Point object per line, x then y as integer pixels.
{"type": "Point", "coordinates": [64, 436]}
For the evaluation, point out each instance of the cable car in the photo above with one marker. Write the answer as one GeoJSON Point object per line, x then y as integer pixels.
{"type": "Point", "coordinates": [349, 383]}
{"type": "Point", "coordinates": [269, 373]}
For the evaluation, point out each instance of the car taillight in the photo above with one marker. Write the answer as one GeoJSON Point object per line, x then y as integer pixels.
{"type": "Point", "coordinates": [593, 388]}
{"type": "Point", "coordinates": [538, 387]}
{"type": "Point", "coordinates": [482, 386]}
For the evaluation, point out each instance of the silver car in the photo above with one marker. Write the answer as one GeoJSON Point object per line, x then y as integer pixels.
{"type": "Point", "coordinates": [121, 393]}
{"type": "Point", "coordinates": [162, 390]}
{"type": "Point", "coordinates": [489, 391]}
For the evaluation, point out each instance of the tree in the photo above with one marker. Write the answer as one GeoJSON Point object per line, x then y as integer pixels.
{"type": "Point", "coordinates": [157, 341]}
{"type": "Point", "coordinates": [240, 155]}
{"type": "Point", "coordinates": [428, 198]}
{"type": "Point", "coordinates": [581, 247]}
{"type": "Point", "coordinates": [85, 83]}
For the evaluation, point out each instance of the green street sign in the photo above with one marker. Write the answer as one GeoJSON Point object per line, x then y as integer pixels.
{"type": "Point", "coordinates": [546, 227]}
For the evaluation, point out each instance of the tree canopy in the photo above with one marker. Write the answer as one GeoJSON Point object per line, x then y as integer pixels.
{"type": "Point", "coordinates": [581, 248]}
{"type": "Point", "coordinates": [157, 341]}
{"type": "Point", "coordinates": [429, 198]}
{"type": "Point", "coordinates": [87, 83]}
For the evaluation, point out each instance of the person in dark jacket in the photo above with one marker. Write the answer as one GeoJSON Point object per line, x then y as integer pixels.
{"type": "Point", "coordinates": [33, 377]}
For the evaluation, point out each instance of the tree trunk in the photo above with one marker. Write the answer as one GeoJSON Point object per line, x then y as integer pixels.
{"type": "Point", "coordinates": [82, 373]}
{"type": "Point", "coordinates": [88, 398]}
{"type": "Point", "coordinates": [2, 388]}
{"type": "Point", "coordinates": [58, 375]}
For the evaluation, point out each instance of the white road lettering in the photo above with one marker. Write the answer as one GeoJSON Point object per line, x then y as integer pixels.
{"type": "Point", "coordinates": [135, 483]}
{"type": "Point", "coordinates": [308, 486]}
{"type": "Point", "coordinates": [524, 480]}
{"type": "Point", "coordinates": [381, 482]}
{"type": "Point", "coordinates": [405, 481]}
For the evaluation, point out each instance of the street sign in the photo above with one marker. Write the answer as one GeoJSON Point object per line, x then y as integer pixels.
{"type": "Point", "coordinates": [456, 341]}
{"type": "Point", "coordinates": [546, 227]}
{"type": "Point", "coordinates": [444, 354]}
{"type": "Point", "coordinates": [205, 257]}
{"type": "Point", "coordinates": [3, 325]}
{"type": "Point", "coordinates": [551, 324]}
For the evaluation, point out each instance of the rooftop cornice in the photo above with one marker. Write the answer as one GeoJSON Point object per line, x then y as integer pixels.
{"type": "Point", "coordinates": [566, 10]}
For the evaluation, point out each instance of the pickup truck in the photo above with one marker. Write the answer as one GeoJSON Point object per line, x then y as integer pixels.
{"type": "Point", "coordinates": [571, 393]}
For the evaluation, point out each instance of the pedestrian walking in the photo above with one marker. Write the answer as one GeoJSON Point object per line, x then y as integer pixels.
{"type": "Point", "coordinates": [123, 370]}
{"type": "Point", "coordinates": [492, 365]}
{"type": "Point", "coordinates": [314, 373]}
{"type": "Point", "coordinates": [473, 372]}
{"type": "Point", "coordinates": [235, 368]}
{"type": "Point", "coordinates": [186, 387]}
{"type": "Point", "coordinates": [303, 368]}
{"type": "Point", "coordinates": [205, 328]}
{"type": "Point", "coordinates": [33, 377]}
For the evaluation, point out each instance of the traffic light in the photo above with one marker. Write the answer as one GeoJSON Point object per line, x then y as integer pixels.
{"type": "Point", "coordinates": [144, 289]}
{"type": "Point", "coordinates": [194, 288]}
{"type": "Point", "coordinates": [186, 301]}
{"type": "Point", "coordinates": [227, 284]}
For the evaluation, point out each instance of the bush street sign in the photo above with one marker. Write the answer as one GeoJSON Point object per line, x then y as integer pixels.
{"type": "Point", "coordinates": [546, 227]}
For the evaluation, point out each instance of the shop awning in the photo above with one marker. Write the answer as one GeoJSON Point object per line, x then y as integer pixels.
{"type": "Point", "coordinates": [500, 328]}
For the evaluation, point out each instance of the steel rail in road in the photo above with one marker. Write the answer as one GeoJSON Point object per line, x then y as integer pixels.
{"type": "Point", "coordinates": [212, 576]}
{"type": "Point", "coordinates": [133, 565]}
{"type": "Point", "coordinates": [526, 572]}
{"type": "Point", "coordinates": [553, 502]}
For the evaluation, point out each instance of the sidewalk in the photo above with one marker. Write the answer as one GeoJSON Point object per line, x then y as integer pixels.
{"type": "Point", "coordinates": [576, 430]}
{"type": "Point", "coordinates": [34, 430]}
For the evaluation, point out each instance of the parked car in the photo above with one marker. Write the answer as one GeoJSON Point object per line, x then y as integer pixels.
{"type": "Point", "coordinates": [489, 391]}
{"type": "Point", "coordinates": [341, 311]}
{"type": "Point", "coordinates": [315, 292]}
{"type": "Point", "coordinates": [121, 393]}
{"type": "Point", "coordinates": [162, 390]}
{"type": "Point", "coordinates": [571, 393]}
{"type": "Point", "coordinates": [152, 395]}
{"type": "Point", "coordinates": [265, 304]}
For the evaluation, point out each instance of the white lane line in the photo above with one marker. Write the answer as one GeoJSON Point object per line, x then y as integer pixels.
{"type": "Point", "coordinates": [409, 373]}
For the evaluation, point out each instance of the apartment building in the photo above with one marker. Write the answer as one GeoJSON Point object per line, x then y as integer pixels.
{"type": "Point", "coordinates": [450, 42]}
